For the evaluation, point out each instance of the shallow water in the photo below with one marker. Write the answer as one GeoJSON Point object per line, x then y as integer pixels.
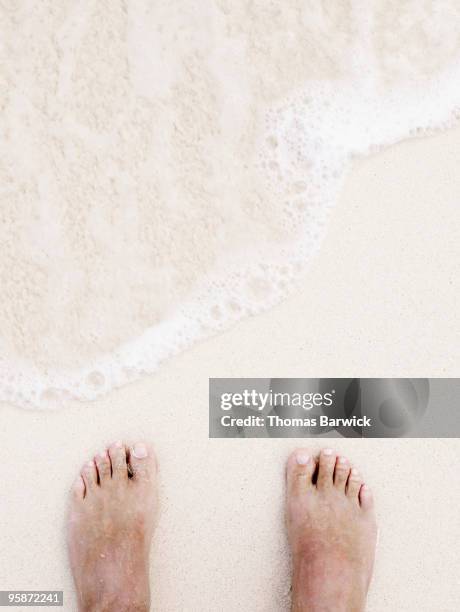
{"type": "Point", "coordinates": [167, 170]}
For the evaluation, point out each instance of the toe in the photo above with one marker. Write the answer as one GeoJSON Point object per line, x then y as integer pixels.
{"type": "Point", "coordinates": [341, 471]}
{"type": "Point", "coordinates": [366, 498]}
{"type": "Point", "coordinates": [354, 484]}
{"type": "Point", "coordinates": [78, 489]}
{"type": "Point", "coordinates": [300, 469]}
{"type": "Point", "coordinates": [117, 454]}
{"type": "Point", "coordinates": [327, 459]}
{"type": "Point", "coordinates": [89, 475]}
{"type": "Point", "coordinates": [104, 469]}
{"type": "Point", "coordinates": [142, 464]}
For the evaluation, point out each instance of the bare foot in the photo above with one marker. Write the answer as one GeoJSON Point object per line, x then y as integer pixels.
{"type": "Point", "coordinates": [332, 533]}
{"type": "Point", "coordinates": [111, 522]}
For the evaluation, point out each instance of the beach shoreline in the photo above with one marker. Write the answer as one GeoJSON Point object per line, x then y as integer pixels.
{"type": "Point", "coordinates": [385, 283]}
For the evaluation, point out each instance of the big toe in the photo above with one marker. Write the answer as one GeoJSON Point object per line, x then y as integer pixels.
{"type": "Point", "coordinates": [300, 469]}
{"type": "Point", "coordinates": [366, 498]}
{"type": "Point", "coordinates": [78, 489]}
{"type": "Point", "coordinates": [142, 462]}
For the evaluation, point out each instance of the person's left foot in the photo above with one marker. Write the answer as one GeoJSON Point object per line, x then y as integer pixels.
{"type": "Point", "coordinates": [111, 522]}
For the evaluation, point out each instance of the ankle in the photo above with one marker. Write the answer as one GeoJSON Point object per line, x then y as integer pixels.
{"type": "Point", "coordinates": [321, 585]}
{"type": "Point", "coordinates": [133, 597]}
{"type": "Point", "coordinates": [109, 605]}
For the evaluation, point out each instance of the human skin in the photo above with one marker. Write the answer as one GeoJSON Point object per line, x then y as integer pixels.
{"type": "Point", "coordinates": [332, 533]}
{"type": "Point", "coordinates": [330, 518]}
{"type": "Point", "coordinates": [110, 528]}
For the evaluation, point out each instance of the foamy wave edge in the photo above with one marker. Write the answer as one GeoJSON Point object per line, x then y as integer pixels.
{"type": "Point", "coordinates": [351, 120]}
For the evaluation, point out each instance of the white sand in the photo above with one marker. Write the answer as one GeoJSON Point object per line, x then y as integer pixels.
{"type": "Point", "coordinates": [378, 301]}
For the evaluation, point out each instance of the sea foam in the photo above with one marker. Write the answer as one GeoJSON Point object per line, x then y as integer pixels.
{"type": "Point", "coordinates": [166, 173]}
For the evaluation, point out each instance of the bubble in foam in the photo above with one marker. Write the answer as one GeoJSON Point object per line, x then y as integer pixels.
{"type": "Point", "coordinates": [95, 379]}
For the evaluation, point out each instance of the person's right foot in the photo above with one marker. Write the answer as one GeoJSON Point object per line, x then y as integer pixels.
{"type": "Point", "coordinates": [110, 528]}
{"type": "Point", "coordinates": [332, 533]}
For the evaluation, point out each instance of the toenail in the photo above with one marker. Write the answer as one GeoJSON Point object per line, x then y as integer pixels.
{"type": "Point", "coordinates": [90, 464]}
{"type": "Point", "coordinates": [118, 444]}
{"type": "Point", "coordinates": [140, 451]}
{"type": "Point", "coordinates": [327, 451]}
{"type": "Point", "coordinates": [343, 460]}
{"type": "Point", "coordinates": [302, 458]}
{"type": "Point", "coordinates": [354, 471]}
